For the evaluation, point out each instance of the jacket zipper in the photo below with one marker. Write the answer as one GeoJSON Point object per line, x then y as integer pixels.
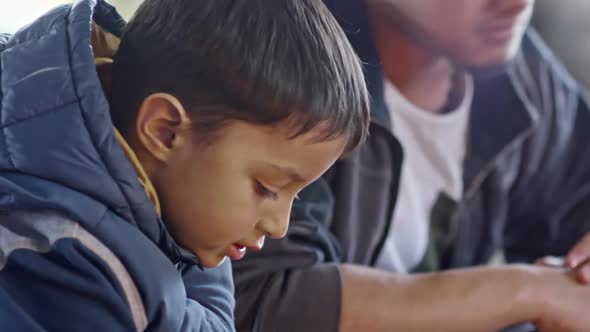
{"type": "Point", "coordinates": [485, 171]}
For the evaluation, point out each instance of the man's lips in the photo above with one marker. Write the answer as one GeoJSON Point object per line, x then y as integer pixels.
{"type": "Point", "coordinates": [499, 32]}
{"type": "Point", "coordinates": [501, 27]}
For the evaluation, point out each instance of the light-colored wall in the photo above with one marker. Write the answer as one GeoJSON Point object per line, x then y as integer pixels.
{"type": "Point", "coordinates": [565, 26]}
{"type": "Point", "coordinates": [17, 13]}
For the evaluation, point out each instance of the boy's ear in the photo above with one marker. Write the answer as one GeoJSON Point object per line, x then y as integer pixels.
{"type": "Point", "coordinates": [160, 119]}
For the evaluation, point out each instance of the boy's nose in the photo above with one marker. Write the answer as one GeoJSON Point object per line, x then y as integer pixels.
{"type": "Point", "coordinates": [276, 225]}
{"type": "Point", "coordinates": [275, 228]}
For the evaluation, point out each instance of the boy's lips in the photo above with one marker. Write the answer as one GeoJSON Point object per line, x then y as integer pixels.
{"type": "Point", "coordinates": [237, 251]}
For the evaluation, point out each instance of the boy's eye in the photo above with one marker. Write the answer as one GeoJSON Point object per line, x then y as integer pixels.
{"type": "Point", "coordinates": [265, 192]}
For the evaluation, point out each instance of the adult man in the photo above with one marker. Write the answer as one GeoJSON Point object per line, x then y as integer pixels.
{"type": "Point", "coordinates": [494, 157]}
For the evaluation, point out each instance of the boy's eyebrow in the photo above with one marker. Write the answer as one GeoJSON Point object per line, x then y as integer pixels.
{"type": "Point", "coordinates": [291, 173]}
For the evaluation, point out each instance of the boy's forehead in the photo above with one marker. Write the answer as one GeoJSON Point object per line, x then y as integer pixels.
{"type": "Point", "coordinates": [282, 137]}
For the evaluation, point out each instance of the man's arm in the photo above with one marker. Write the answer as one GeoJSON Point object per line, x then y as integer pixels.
{"type": "Point", "coordinates": [476, 299]}
{"type": "Point", "coordinates": [299, 284]}
{"type": "Point", "coordinates": [484, 299]}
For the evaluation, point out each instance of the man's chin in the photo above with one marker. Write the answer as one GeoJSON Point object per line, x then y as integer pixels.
{"type": "Point", "coordinates": [492, 57]}
{"type": "Point", "coordinates": [489, 60]}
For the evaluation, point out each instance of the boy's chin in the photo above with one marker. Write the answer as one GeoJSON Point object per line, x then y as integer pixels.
{"type": "Point", "coordinates": [210, 260]}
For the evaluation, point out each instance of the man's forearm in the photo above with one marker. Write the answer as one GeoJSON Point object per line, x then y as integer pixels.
{"type": "Point", "coordinates": [478, 299]}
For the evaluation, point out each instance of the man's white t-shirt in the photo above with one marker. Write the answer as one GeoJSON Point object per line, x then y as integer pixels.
{"type": "Point", "coordinates": [434, 149]}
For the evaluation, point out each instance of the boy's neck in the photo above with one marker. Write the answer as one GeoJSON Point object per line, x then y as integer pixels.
{"type": "Point", "coordinates": [425, 78]}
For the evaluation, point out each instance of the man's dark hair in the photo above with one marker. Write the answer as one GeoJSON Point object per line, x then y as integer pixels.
{"type": "Point", "coordinates": [259, 61]}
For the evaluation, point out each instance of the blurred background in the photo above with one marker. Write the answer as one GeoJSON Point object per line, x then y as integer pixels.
{"type": "Point", "coordinates": [565, 25]}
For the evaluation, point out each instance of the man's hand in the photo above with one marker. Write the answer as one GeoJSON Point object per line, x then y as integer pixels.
{"type": "Point", "coordinates": [577, 259]}
{"type": "Point", "coordinates": [562, 300]}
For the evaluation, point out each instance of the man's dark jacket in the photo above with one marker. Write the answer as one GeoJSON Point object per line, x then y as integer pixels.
{"type": "Point", "coordinates": [527, 190]}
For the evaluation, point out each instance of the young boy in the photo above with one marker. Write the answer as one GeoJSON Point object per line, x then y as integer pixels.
{"type": "Point", "coordinates": [223, 111]}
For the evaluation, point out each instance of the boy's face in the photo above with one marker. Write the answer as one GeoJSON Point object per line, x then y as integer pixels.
{"type": "Point", "coordinates": [220, 198]}
{"type": "Point", "coordinates": [473, 32]}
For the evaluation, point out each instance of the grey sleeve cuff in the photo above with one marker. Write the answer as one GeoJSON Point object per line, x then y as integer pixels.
{"type": "Point", "coordinates": [292, 300]}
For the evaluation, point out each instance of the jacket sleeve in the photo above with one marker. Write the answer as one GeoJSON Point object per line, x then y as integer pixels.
{"type": "Point", "coordinates": [550, 201]}
{"type": "Point", "coordinates": [3, 40]}
{"type": "Point", "coordinates": [210, 299]}
{"type": "Point", "coordinates": [297, 274]}
{"type": "Point", "coordinates": [55, 276]}
{"type": "Point", "coordinates": [67, 288]}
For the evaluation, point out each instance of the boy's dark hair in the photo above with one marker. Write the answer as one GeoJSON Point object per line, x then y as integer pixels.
{"type": "Point", "coordinates": [259, 61]}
